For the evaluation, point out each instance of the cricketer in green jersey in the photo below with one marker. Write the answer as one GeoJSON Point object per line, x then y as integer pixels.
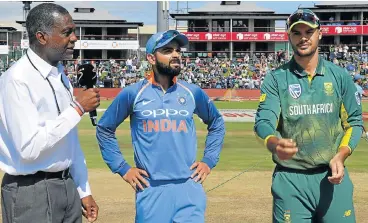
{"type": "Point", "coordinates": [310, 118]}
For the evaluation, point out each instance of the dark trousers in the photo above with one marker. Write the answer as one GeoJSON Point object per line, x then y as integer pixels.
{"type": "Point", "coordinates": [40, 198]}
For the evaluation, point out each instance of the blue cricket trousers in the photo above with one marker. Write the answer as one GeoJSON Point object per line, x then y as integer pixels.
{"type": "Point", "coordinates": [175, 201]}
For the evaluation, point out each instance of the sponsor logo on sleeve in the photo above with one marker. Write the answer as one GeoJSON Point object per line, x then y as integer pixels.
{"type": "Point", "coordinates": [262, 98]}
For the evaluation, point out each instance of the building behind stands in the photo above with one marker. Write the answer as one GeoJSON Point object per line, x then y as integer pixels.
{"type": "Point", "coordinates": [234, 28]}
{"type": "Point", "coordinates": [224, 29]}
{"type": "Point", "coordinates": [102, 35]}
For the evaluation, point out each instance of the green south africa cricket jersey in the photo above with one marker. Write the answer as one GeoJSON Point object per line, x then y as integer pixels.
{"type": "Point", "coordinates": [321, 114]}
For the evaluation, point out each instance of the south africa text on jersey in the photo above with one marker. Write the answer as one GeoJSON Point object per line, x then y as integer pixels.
{"type": "Point", "coordinates": [312, 109]}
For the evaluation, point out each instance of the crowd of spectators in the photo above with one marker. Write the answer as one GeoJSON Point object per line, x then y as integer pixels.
{"type": "Point", "coordinates": [221, 73]}
{"type": "Point", "coordinates": [354, 22]}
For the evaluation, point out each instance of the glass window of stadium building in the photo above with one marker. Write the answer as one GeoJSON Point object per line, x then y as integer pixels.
{"type": "Point", "coordinates": [234, 29]}
{"type": "Point", "coordinates": [7, 36]}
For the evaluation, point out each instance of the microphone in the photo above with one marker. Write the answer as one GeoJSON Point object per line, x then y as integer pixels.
{"type": "Point", "coordinates": [87, 78]}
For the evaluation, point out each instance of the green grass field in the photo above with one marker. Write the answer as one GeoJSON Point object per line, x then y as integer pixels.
{"type": "Point", "coordinates": [239, 152]}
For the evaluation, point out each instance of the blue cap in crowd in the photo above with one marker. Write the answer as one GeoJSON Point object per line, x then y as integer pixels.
{"type": "Point", "coordinates": [358, 77]}
{"type": "Point", "coordinates": [161, 39]}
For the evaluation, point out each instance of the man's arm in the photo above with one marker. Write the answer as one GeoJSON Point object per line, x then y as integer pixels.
{"type": "Point", "coordinates": [364, 94]}
{"type": "Point", "coordinates": [361, 91]}
{"type": "Point", "coordinates": [351, 118]}
{"type": "Point", "coordinates": [78, 169]}
{"type": "Point", "coordinates": [21, 120]}
{"type": "Point", "coordinates": [116, 113]}
{"type": "Point", "coordinates": [79, 173]}
{"type": "Point", "coordinates": [207, 111]}
{"type": "Point", "coordinates": [268, 113]}
{"type": "Point", "coordinates": [350, 114]}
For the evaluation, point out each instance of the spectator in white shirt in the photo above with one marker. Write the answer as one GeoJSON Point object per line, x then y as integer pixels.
{"type": "Point", "coordinates": [41, 156]}
{"type": "Point", "coordinates": [129, 64]}
{"type": "Point", "coordinates": [197, 61]}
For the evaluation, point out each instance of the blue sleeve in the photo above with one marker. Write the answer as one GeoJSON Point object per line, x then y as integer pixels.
{"type": "Point", "coordinates": [115, 114]}
{"type": "Point", "coordinates": [360, 90]}
{"type": "Point", "coordinates": [207, 111]}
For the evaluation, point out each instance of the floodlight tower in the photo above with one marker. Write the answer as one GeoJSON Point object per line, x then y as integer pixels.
{"type": "Point", "coordinates": [162, 16]}
{"type": "Point", "coordinates": [26, 8]}
{"type": "Point", "coordinates": [25, 42]}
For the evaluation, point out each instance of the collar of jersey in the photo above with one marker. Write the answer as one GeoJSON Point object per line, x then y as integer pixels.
{"type": "Point", "coordinates": [297, 69]}
{"type": "Point", "coordinates": [150, 76]}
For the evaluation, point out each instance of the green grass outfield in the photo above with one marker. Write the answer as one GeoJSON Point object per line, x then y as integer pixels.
{"type": "Point", "coordinates": [239, 152]}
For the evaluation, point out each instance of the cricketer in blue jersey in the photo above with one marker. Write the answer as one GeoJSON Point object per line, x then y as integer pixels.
{"type": "Point", "coordinates": [167, 179]}
{"type": "Point", "coordinates": [360, 93]}
{"type": "Point", "coordinates": [358, 84]}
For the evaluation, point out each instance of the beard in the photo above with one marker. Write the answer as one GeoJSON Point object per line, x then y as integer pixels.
{"type": "Point", "coordinates": [304, 53]}
{"type": "Point", "coordinates": [167, 70]}
{"type": "Point", "coordinates": [57, 54]}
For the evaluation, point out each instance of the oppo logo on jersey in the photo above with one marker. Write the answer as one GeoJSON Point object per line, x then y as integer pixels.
{"type": "Point", "coordinates": [164, 113]}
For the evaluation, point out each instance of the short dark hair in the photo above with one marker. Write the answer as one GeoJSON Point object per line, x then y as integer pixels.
{"type": "Point", "coordinates": [41, 18]}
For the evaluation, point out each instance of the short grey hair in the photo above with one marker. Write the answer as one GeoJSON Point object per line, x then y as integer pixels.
{"type": "Point", "coordinates": [41, 19]}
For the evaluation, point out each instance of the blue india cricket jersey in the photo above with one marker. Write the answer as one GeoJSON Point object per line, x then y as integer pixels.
{"type": "Point", "coordinates": [162, 129]}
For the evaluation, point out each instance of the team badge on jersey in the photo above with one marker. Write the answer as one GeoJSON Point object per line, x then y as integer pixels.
{"type": "Point", "coordinates": [287, 217]}
{"type": "Point", "coordinates": [357, 98]}
{"type": "Point", "coordinates": [182, 100]}
{"type": "Point", "coordinates": [295, 90]}
{"type": "Point", "coordinates": [328, 89]}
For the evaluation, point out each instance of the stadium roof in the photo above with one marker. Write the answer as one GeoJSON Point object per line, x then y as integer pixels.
{"type": "Point", "coordinates": [13, 24]}
{"type": "Point", "coordinates": [341, 4]}
{"type": "Point", "coordinates": [89, 13]}
{"type": "Point", "coordinates": [230, 9]}
{"type": "Point", "coordinates": [231, 6]}
{"type": "Point", "coordinates": [84, 14]}
{"type": "Point", "coordinates": [7, 28]}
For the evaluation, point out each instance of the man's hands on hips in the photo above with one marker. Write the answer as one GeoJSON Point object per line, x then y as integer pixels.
{"type": "Point", "coordinates": [284, 148]}
{"type": "Point", "coordinates": [89, 208]}
{"type": "Point", "coordinates": [89, 99]}
{"type": "Point", "coordinates": [202, 171]}
{"type": "Point", "coordinates": [134, 177]}
{"type": "Point", "coordinates": [337, 165]}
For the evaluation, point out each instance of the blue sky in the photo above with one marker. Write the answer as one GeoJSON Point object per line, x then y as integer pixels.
{"type": "Point", "coordinates": [137, 11]}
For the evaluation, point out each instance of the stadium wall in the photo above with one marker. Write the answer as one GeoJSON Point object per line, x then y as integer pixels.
{"type": "Point", "coordinates": [245, 94]}
{"type": "Point", "coordinates": [110, 93]}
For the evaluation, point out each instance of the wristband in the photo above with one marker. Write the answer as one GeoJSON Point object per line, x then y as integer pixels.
{"type": "Point", "coordinates": [76, 107]}
{"type": "Point", "coordinates": [79, 106]}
